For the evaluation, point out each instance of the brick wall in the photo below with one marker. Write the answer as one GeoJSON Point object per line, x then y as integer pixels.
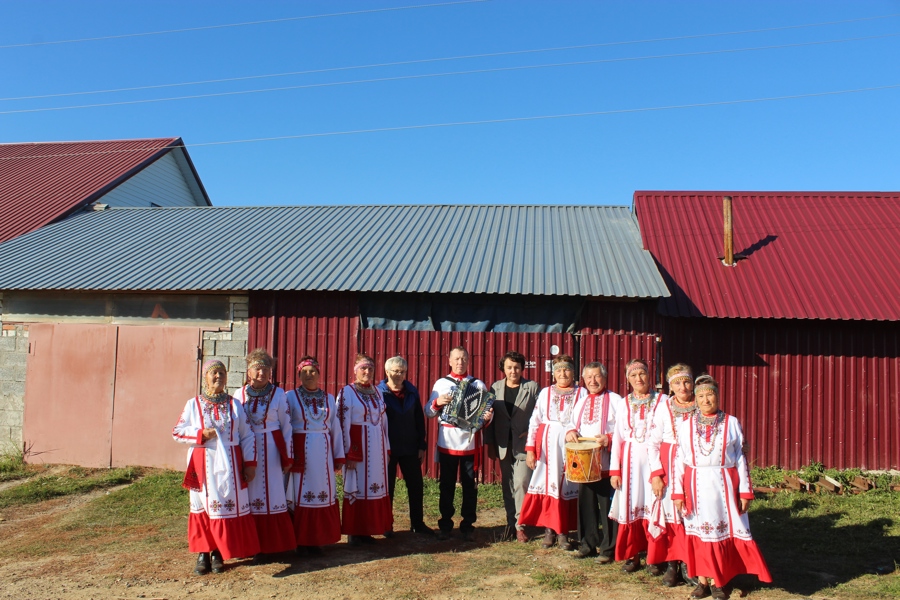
{"type": "Point", "coordinates": [13, 354]}
{"type": "Point", "coordinates": [231, 346]}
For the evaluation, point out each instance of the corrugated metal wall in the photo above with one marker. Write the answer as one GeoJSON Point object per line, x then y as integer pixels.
{"type": "Point", "coordinates": [804, 391]}
{"type": "Point", "coordinates": [615, 350]}
{"type": "Point", "coordinates": [291, 324]}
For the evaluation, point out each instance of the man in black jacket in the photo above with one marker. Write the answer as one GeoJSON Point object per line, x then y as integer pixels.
{"type": "Point", "coordinates": [406, 434]}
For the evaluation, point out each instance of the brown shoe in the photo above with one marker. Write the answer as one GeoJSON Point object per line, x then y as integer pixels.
{"type": "Point", "coordinates": [672, 577]}
{"type": "Point", "coordinates": [656, 570]}
{"type": "Point", "coordinates": [701, 591]}
{"type": "Point", "coordinates": [632, 564]}
{"type": "Point", "coordinates": [720, 593]}
{"type": "Point", "coordinates": [562, 540]}
{"type": "Point", "coordinates": [521, 536]}
{"type": "Point", "coordinates": [603, 559]}
{"type": "Point", "coordinates": [549, 538]}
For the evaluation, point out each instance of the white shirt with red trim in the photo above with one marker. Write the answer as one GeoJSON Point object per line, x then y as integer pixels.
{"type": "Point", "coordinates": [450, 438]}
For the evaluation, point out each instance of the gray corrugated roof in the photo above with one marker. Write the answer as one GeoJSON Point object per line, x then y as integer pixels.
{"type": "Point", "coordinates": [542, 250]}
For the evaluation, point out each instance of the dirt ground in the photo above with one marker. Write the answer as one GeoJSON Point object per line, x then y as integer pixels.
{"type": "Point", "coordinates": [409, 566]}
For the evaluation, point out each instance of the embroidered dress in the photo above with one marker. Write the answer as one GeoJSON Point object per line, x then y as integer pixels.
{"type": "Point", "coordinates": [552, 500]}
{"type": "Point", "coordinates": [318, 446]}
{"type": "Point", "coordinates": [267, 411]}
{"type": "Point", "coordinates": [665, 525]}
{"type": "Point", "coordinates": [596, 417]}
{"type": "Point", "coordinates": [220, 516]}
{"type": "Point", "coordinates": [367, 507]}
{"type": "Point", "coordinates": [629, 460]}
{"type": "Point", "coordinates": [711, 476]}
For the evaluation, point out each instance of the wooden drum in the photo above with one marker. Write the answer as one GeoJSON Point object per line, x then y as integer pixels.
{"type": "Point", "coordinates": [583, 462]}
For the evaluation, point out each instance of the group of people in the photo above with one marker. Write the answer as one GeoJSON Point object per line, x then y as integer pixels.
{"type": "Point", "coordinates": [673, 483]}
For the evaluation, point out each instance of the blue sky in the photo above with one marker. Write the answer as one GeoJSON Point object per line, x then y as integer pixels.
{"type": "Point", "coordinates": [835, 142]}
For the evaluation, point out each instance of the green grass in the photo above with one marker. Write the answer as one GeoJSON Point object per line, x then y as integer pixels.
{"type": "Point", "coordinates": [559, 580]}
{"type": "Point", "coordinates": [75, 480]}
{"type": "Point", "coordinates": [13, 466]}
{"type": "Point", "coordinates": [489, 496]}
{"type": "Point", "coordinates": [813, 542]}
{"type": "Point", "coordinates": [774, 476]}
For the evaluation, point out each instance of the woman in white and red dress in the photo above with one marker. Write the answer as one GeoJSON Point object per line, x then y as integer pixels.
{"type": "Point", "coordinates": [552, 500]}
{"type": "Point", "coordinates": [367, 507]}
{"type": "Point", "coordinates": [665, 544]}
{"type": "Point", "coordinates": [318, 445]}
{"type": "Point", "coordinates": [220, 462]}
{"type": "Point", "coordinates": [630, 467]}
{"type": "Point", "coordinates": [267, 410]}
{"type": "Point", "coordinates": [713, 491]}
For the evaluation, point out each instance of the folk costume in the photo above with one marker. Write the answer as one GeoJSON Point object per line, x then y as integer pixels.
{"type": "Point", "coordinates": [665, 542]}
{"type": "Point", "coordinates": [270, 420]}
{"type": "Point", "coordinates": [596, 417]}
{"type": "Point", "coordinates": [552, 500]}
{"type": "Point", "coordinates": [458, 452]}
{"type": "Point", "coordinates": [318, 445]}
{"type": "Point", "coordinates": [711, 475]}
{"type": "Point", "coordinates": [367, 507]}
{"type": "Point", "coordinates": [220, 517]}
{"type": "Point", "coordinates": [629, 459]}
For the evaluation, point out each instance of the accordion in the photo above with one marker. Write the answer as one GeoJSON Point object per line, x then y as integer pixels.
{"type": "Point", "coordinates": [468, 406]}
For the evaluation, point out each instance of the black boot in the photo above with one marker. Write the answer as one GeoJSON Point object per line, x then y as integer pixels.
{"type": "Point", "coordinates": [202, 567]}
{"type": "Point", "coordinates": [217, 564]}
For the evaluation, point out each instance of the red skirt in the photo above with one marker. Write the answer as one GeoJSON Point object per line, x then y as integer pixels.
{"type": "Point", "coordinates": [631, 539]}
{"type": "Point", "coordinates": [367, 517]}
{"type": "Point", "coordinates": [546, 511]}
{"type": "Point", "coordinates": [234, 538]}
{"type": "Point", "coordinates": [276, 533]}
{"type": "Point", "coordinates": [725, 559]}
{"type": "Point", "coordinates": [668, 546]}
{"type": "Point", "coordinates": [318, 526]}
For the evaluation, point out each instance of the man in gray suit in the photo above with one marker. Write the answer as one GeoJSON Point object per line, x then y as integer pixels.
{"type": "Point", "coordinates": [506, 435]}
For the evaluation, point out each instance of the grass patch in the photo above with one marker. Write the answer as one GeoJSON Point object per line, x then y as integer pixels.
{"type": "Point", "coordinates": [75, 480]}
{"type": "Point", "coordinates": [819, 541]}
{"type": "Point", "coordinates": [559, 580]}
{"type": "Point", "coordinates": [490, 495]}
{"type": "Point", "coordinates": [13, 466]}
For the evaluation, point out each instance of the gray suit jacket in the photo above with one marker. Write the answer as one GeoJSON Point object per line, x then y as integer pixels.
{"type": "Point", "coordinates": [497, 433]}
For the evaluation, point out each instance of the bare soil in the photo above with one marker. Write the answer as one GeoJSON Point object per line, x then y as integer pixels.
{"type": "Point", "coordinates": [409, 566]}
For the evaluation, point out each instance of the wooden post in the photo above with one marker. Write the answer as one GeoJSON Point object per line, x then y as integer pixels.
{"type": "Point", "coordinates": [729, 228]}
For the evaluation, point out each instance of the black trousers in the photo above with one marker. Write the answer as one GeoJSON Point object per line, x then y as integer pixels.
{"type": "Point", "coordinates": [412, 475]}
{"type": "Point", "coordinates": [451, 466]}
{"type": "Point", "coordinates": [596, 530]}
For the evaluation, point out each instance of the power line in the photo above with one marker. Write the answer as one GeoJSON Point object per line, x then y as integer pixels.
{"type": "Point", "coordinates": [435, 75]}
{"type": "Point", "coordinates": [245, 24]}
{"type": "Point", "coordinates": [483, 121]}
{"type": "Point", "coordinates": [439, 59]}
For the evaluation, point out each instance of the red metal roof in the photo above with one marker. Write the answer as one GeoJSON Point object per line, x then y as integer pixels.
{"type": "Point", "coordinates": [807, 255]}
{"type": "Point", "coordinates": [41, 182]}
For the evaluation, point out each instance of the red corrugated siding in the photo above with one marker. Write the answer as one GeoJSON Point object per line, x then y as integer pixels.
{"type": "Point", "coordinates": [322, 324]}
{"type": "Point", "coordinates": [40, 183]}
{"type": "Point", "coordinates": [803, 392]}
{"type": "Point", "coordinates": [615, 350]}
{"type": "Point", "coordinates": [809, 255]}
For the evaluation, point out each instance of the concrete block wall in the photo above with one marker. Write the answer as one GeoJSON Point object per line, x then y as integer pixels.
{"type": "Point", "coordinates": [231, 346]}
{"type": "Point", "coordinates": [13, 356]}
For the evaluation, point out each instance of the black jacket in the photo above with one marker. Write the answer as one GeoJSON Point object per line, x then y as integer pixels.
{"type": "Point", "coordinates": [406, 421]}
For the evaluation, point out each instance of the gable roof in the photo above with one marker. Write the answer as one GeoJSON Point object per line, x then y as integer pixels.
{"type": "Point", "coordinates": [807, 255]}
{"type": "Point", "coordinates": [43, 182]}
{"type": "Point", "coordinates": [542, 250]}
